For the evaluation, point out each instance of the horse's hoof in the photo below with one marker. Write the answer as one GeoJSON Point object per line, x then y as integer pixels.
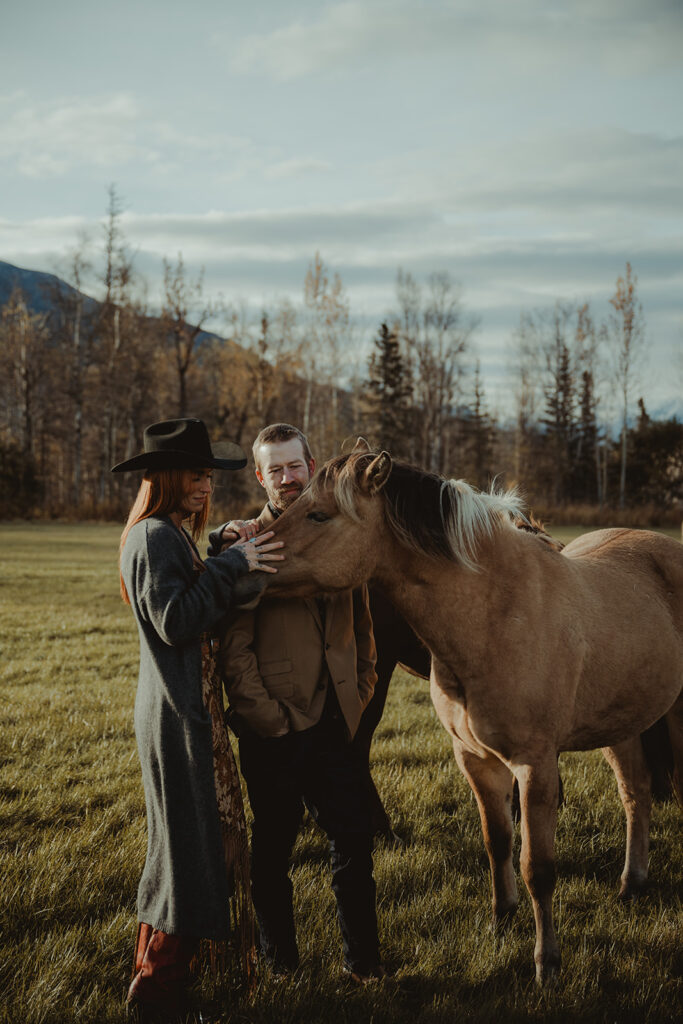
{"type": "Point", "coordinates": [631, 889]}
{"type": "Point", "coordinates": [548, 971]}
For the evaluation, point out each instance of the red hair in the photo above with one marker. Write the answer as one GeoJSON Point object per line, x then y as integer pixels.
{"type": "Point", "coordinates": [162, 491]}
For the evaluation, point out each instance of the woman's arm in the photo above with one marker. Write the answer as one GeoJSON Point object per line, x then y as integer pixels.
{"type": "Point", "coordinates": [179, 605]}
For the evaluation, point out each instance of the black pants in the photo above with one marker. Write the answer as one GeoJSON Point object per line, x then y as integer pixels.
{"type": "Point", "coordinates": [320, 770]}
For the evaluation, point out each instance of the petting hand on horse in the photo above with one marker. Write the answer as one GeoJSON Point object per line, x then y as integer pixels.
{"type": "Point", "coordinates": [242, 529]}
{"type": "Point", "coordinates": [257, 552]}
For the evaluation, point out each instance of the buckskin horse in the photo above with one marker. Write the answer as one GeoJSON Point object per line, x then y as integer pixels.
{"type": "Point", "coordinates": [534, 651]}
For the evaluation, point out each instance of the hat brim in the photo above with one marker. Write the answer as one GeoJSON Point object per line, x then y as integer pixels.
{"type": "Point", "coordinates": [225, 455]}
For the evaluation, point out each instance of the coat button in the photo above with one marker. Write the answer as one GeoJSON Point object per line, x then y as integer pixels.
{"type": "Point", "coordinates": [327, 646]}
{"type": "Point", "coordinates": [322, 686]}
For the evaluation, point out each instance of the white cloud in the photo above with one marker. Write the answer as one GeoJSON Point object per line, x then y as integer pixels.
{"type": "Point", "coordinates": [622, 35]}
{"type": "Point", "coordinates": [295, 168]}
{"type": "Point", "coordinates": [47, 139]}
{"type": "Point", "coordinates": [56, 137]}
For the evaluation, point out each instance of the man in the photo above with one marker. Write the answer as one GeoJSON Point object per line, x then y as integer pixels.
{"type": "Point", "coordinates": [299, 673]}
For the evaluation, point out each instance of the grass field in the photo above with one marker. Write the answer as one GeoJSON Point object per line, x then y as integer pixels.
{"type": "Point", "coordinates": [72, 845]}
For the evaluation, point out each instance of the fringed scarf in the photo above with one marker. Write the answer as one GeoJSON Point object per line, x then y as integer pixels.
{"type": "Point", "coordinates": [233, 824]}
{"type": "Point", "coordinates": [230, 813]}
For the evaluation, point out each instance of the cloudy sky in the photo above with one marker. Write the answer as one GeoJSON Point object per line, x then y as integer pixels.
{"type": "Point", "coordinates": [528, 148]}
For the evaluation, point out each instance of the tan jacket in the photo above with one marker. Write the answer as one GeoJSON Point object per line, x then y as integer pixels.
{"type": "Point", "coordinates": [279, 656]}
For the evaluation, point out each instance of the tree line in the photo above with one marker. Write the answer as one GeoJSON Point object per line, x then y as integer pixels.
{"type": "Point", "coordinates": [80, 382]}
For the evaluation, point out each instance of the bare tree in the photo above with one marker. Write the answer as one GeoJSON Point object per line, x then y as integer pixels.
{"type": "Point", "coordinates": [183, 301]}
{"type": "Point", "coordinates": [78, 330]}
{"type": "Point", "coordinates": [115, 317]}
{"type": "Point", "coordinates": [526, 371]}
{"type": "Point", "coordinates": [435, 333]}
{"type": "Point", "coordinates": [627, 333]}
{"type": "Point", "coordinates": [24, 356]}
{"type": "Point", "coordinates": [325, 334]}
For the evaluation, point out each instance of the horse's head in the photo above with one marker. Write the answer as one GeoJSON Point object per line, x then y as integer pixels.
{"type": "Point", "coordinates": [335, 530]}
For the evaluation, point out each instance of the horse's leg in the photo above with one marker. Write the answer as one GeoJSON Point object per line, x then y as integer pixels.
{"type": "Point", "coordinates": [674, 721]}
{"type": "Point", "coordinates": [627, 761]}
{"type": "Point", "coordinates": [538, 788]}
{"type": "Point", "coordinates": [491, 783]}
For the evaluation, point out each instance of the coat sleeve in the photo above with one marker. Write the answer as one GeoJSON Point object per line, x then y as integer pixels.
{"type": "Point", "coordinates": [366, 651]}
{"type": "Point", "coordinates": [216, 541]}
{"type": "Point", "coordinates": [180, 606]}
{"type": "Point", "coordinates": [244, 686]}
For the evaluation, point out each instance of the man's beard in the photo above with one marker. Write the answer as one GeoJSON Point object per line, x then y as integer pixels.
{"type": "Point", "coordinates": [286, 496]}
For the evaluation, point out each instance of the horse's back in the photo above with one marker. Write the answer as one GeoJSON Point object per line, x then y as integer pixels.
{"type": "Point", "coordinates": [619, 542]}
{"type": "Point", "coordinates": [629, 587]}
{"type": "Point", "coordinates": [650, 562]}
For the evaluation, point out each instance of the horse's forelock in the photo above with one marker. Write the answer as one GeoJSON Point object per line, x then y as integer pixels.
{"type": "Point", "coordinates": [342, 475]}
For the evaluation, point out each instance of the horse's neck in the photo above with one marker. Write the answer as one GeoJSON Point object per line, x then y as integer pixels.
{"type": "Point", "coordinates": [447, 605]}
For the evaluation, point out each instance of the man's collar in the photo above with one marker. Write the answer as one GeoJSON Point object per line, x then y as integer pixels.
{"type": "Point", "coordinates": [275, 512]}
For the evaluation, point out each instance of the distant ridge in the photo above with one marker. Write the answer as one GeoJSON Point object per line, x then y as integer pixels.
{"type": "Point", "coordinates": [39, 288]}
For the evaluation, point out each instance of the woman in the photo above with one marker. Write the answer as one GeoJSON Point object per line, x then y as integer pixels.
{"type": "Point", "coordinates": [184, 891]}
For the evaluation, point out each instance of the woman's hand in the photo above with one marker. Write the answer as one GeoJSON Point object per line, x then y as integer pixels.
{"type": "Point", "coordinates": [257, 553]}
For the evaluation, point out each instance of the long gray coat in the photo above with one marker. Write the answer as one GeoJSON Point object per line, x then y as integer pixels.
{"type": "Point", "coordinates": [184, 887]}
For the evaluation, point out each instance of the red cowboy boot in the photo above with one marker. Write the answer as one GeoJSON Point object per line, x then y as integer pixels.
{"type": "Point", "coordinates": [145, 932]}
{"type": "Point", "coordinates": [159, 986]}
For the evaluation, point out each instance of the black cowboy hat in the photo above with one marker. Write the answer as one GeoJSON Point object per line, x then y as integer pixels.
{"type": "Point", "coordinates": [183, 444]}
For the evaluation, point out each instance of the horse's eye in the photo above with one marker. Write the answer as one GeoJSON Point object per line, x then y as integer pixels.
{"type": "Point", "coordinates": [317, 517]}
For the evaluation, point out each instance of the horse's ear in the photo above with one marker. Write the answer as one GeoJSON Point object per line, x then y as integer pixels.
{"type": "Point", "coordinates": [354, 444]}
{"type": "Point", "coordinates": [361, 445]}
{"type": "Point", "coordinates": [377, 473]}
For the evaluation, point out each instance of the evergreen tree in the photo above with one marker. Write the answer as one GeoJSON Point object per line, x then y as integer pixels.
{"type": "Point", "coordinates": [585, 476]}
{"type": "Point", "coordinates": [559, 413]}
{"type": "Point", "coordinates": [479, 434]}
{"type": "Point", "coordinates": [389, 391]}
{"type": "Point", "coordinates": [656, 464]}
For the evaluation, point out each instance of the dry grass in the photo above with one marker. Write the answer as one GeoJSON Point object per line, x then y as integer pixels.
{"type": "Point", "coordinates": [72, 844]}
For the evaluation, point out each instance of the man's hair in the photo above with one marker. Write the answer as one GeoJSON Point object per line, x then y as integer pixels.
{"type": "Point", "coordinates": [275, 432]}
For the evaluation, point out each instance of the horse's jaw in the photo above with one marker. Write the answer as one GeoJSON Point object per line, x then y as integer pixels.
{"type": "Point", "coordinates": [286, 583]}
{"type": "Point", "coordinates": [248, 589]}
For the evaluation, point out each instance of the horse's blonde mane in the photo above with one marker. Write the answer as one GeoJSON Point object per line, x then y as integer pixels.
{"type": "Point", "coordinates": [471, 515]}
{"type": "Point", "coordinates": [425, 512]}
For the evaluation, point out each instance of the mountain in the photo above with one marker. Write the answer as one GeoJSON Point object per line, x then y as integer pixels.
{"type": "Point", "coordinates": [40, 293]}
{"type": "Point", "coordinates": [38, 287]}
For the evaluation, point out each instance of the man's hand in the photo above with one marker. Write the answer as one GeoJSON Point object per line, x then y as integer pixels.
{"type": "Point", "coordinates": [239, 529]}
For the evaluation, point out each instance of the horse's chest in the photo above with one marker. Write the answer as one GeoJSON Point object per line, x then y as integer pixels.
{"type": "Point", "coordinates": [451, 707]}
{"type": "Point", "coordinates": [481, 727]}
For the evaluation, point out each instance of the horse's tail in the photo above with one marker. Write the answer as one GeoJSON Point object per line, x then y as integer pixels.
{"type": "Point", "coordinates": [660, 760]}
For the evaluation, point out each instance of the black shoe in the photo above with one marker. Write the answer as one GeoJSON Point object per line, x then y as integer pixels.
{"type": "Point", "coordinates": [280, 968]}
{"type": "Point", "coordinates": [392, 840]}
